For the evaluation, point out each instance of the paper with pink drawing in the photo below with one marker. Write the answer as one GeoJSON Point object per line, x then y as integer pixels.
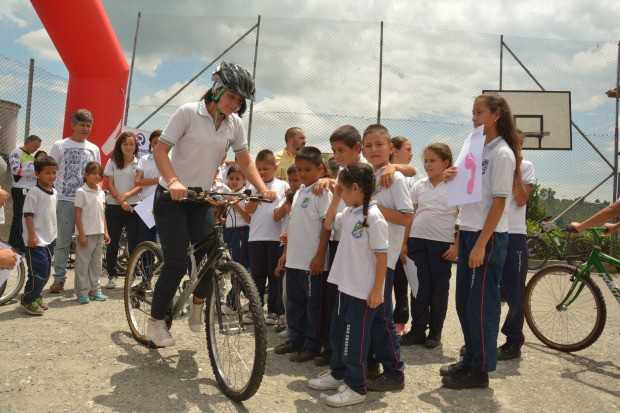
{"type": "Point", "coordinates": [466, 187]}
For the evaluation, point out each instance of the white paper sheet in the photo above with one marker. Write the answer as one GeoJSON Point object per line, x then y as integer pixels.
{"type": "Point", "coordinates": [466, 186]}
{"type": "Point", "coordinates": [144, 209]}
{"type": "Point", "coordinates": [5, 274]}
{"type": "Point", "coordinates": [411, 271]}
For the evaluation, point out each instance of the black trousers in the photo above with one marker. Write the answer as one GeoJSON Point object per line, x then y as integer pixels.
{"type": "Point", "coordinates": [264, 257]}
{"type": "Point", "coordinates": [15, 238]}
{"type": "Point", "coordinates": [513, 288]}
{"type": "Point", "coordinates": [401, 295]}
{"type": "Point", "coordinates": [178, 224]}
{"type": "Point", "coordinates": [117, 219]}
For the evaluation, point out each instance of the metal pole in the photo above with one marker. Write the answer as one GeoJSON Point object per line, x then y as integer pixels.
{"type": "Point", "coordinates": [580, 200]}
{"type": "Point", "coordinates": [615, 190]}
{"type": "Point", "coordinates": [29, 98]}
{"type": "Point", "coordinates": [253, 78]}
{"type": "Point", "coordinates": [133, 59]}
{"type": "Point", "coordinates": [380, 74]}
{"type": "Point", "coordinates": [501, 61]}
{"type": "Point", "coordinates": [196, 76]}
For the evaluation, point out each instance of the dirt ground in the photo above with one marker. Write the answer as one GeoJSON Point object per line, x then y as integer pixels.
{"type": "Point", "coordinates": [83, 359]}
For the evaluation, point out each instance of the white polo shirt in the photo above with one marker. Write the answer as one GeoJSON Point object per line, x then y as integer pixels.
{"type": "Point", "coordinates": [41, 204]}
{"type": "Point", "coordinates": [72, 158]}
{"type": "Point", "coordinates": [498, 168]}
{"type": "Point", "coordinates": [354, 267]}
{"type": "Point", "coordinates": [124, 180]}
{"type": "Point", "coordinates": [434, 219]}
{"type": "Point", "coordinates": [397, 197]}
{"type": "Point", "coordinates": [304, 226]}
{"type": "Point", "coordinates": [197, 147]}
{"type": "Point", "coordinates": [92, 202]}
{"type": "Point", "coordinates": [516, 214]}
{"type": "Point", "coordinates": [234, 219]}
{"type": "Point", "coordinates": [146, 164]}
{"type": "Point", "coordinates": [262, 225]}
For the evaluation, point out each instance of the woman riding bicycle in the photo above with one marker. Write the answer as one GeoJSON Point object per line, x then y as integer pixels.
{"type": "Point", "coordinates": [191, 148]}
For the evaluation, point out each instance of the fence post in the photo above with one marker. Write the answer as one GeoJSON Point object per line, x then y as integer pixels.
{"type": "Point", "coordinates": [501, 61]}
{"type": "Point", "coordinates": [29, 98]}
{"type": "Point", "coordinates": [380, 73]}
{"type": "Point", "coordinates": [253, 78]}
{"type": "Point", "coordinates": [133, 59]}
{"type": "Point", "coordinates": [615, 189]}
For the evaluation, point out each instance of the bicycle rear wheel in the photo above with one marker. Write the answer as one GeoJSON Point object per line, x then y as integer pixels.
{"type": "Point", "coordinates": [237, 352]}
{"type": "Point", "coordinates": [143, 270]}
{"type": "Point", "coordinates": [14, 284]}
{"type": "Point", "coordinates": [538, 253]}
{"type": "Point", "coordinates": [568, 329]}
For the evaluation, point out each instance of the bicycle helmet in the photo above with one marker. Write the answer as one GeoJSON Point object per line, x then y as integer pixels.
{"type": "Point", "coordinates": [235, 78]}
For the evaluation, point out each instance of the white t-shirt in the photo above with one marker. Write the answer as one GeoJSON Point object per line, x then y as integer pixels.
{"type": "Point", "coordinates": [262, 225]}
{"type": "Point", "coordinates": [434, 219]}
{"type": "Point", "coordinates": [234, 219]}
{"type": "Point", "coordinates": [354, 267]}
{"type": "Point", "coordinates": [22, 169]}
{"type": "Point", "coordinates": [516, 214]}
{"type": "Point", "coordinates": [304, 226]}
{"type": "Point", "coordinates": [197, 147]}
{"type": "Point", "coordinates": [146, 164]}
{"type": "Point", "coordinates": [397, 197]}
{"type": "Point", "coordinates": [124, 180]}
{"type": "Point", "coordinates": [72, 158]}
{"type": "Point", "coordinates": [498, 168]}
{"type": "Point", "coordinates": [92, 202]}
{"type": "Point", "coordinates": [41, 204]}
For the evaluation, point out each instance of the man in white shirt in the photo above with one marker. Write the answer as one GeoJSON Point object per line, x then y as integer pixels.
{"type": "Point", "coordinates": [72, 155]}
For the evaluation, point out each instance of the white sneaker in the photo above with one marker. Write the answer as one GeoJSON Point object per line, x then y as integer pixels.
{"type": "Point", "coordinates": [283, 333]}
{"type": "Point", "coordinates": [325, 381]}
{"type": "Point", "coordinates": [158, 333]}
{"type": "Point", "coordinates": [195, 317]}
{"type": "Point", "coordinates": [345, 397]}
{"type": "Point", "coordinates": [247, 319]}
{"type": "Point", "coordinates": [112, 283]}
{"type": "Point", "coordinates": [272, 319]}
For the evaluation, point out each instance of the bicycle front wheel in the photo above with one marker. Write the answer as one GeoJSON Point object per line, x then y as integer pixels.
{"type": "Point", "coordinates": [143, 270]}
{"type": "Point", "coordinates": [537, 252]}
{"type": "Point", "coordinates": [567, 328]}
{"type": "Point", "coordinates": [237, 342]}
{"type": "Point", "coordinates": [14, 284]}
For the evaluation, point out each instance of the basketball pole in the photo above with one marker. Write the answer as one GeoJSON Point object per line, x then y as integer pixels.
{"type": "Point", "coordinates": [501, 61]}
{"type": "Point", "coordinates": [254, 79]}
{"type": "Point", "coordinates": [133, 59]}
{"type": "Point", "coordinates": [380, 72]}
{"type": "Point", "coordinates": [614, 236]}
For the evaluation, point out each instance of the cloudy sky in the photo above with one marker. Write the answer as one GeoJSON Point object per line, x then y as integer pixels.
{"type": "Point", "coordinates": [318, 63]}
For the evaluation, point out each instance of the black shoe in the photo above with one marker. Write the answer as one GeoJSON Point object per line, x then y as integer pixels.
{"type": "Point", "coordinates": [463, 350]}
{"type": "Point", "coordinates": [508, 351]}
{"type": "Point", "coordinates": [285, 348]}
{"type": "Point", "coordinates": [302, 356]}
{"type": "Point", "coordinates": [432, 342]}
{"type": "Point", "coordinates": [373, 371]}
{"type": "Point", "coordinates": [473, 379]}
{"type": "Point", "coordinates": [384, 383]}
{"type": "Point", "coordinates": [412, 339]}
{"type": "Point", "coordinates": [321, 360]}
{"type": "Point", "coordinates": [453, 369]}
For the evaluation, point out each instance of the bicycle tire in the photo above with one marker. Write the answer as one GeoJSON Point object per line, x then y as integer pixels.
{"type": "Point", "coordinates": [535, 322]}
{"type": "Point", "coordinates": [538, 253]}
{"type": "Point", "coordinates": [7, 296]}
{"type": "Point", "coordinates": [248, 289]}
{"type": "Point", "coordinates": [139, 284]}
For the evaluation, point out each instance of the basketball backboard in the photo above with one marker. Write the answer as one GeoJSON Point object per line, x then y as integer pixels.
{"type": "Point", "coordinates": [544, 117]}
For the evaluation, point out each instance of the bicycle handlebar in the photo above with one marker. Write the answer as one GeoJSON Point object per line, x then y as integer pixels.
{"type": "Point", "coordinates": [219, 198]}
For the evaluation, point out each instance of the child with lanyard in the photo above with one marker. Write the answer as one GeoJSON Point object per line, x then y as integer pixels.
{"type": "Point", "coordinates": [482, 247]}
{"type": "Point", "coordinates": [190, 150]}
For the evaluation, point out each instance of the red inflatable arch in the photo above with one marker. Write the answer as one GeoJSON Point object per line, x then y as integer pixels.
{"type": "Point", "coordinates": [92, 54]}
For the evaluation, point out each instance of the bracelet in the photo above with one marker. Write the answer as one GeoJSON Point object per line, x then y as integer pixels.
{"type": "Point", "coordinates": [173, 180]}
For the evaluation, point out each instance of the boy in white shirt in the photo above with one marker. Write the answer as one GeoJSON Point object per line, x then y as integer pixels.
{"type": "Point", "coordinates": [40, 233]}
{"type": "Point", "coordinates": [264, 239]}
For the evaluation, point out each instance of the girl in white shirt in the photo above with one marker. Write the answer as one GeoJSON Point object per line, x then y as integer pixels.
{"type": "Point", "coordinates": [121, 171]}
{"type": "Point", "coordinates": [431, 246]}
{"type": "Point", "coordinates": [237, 228]}
{"type": "Point", "coordinates": [359, 271]}
{"type": "Point", "coordinates": [92, 234]}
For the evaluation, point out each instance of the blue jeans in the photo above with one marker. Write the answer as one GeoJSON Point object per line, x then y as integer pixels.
{"type": "Point", "coordinates": [303, 309]}
{"type": "Point", "coordinates": [237, 241]}
{"type": "Point", "coordinates": [65, 218]}
{"type": "Point", "coordinates": [513, 288]}
{"type": "Point", "coordinates": [39, 260]}
{"type": "Point", "coordinates": [478, 299]}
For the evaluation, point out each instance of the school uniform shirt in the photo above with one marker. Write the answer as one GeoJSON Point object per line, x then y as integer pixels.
{"type": "Point", "coordinates": [354, 267]}
{"type": "Point", "coordinates": [262, 225]}
{"type": "Point", "coordinates": [498, 168]}
{"type": "Point", "coordinates": [197, 146]}
{"type": "Point", "coordinates": [72, 158]}
{"type": "Point", "coordinates": [398, 197]}
{"type": "Point", "coordinates": [434, 219]}
{"type": "Point", "coordinates": [234, 219]}
{"type": "Point", "coordinates": [124, 180]}
{"type": "Point", "coordinates": [147, 165]}
{"type": "Point", "coordinates": [516, 214]}
{"type": "Point", "coordinates": [92, 203]}
{"type": "Point", "coordinates": [305, 225]}
{"type": "Point", "coordinates": [41, 205]}
{"type": "Point", "coordinates": [22, 169]}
